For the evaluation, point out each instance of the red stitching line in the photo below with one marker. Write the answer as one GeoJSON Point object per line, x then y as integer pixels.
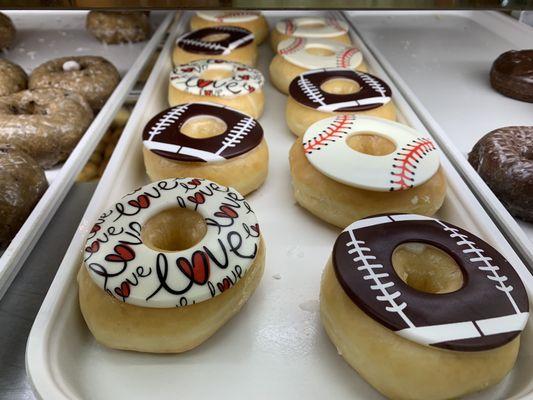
{"type": "Point", "coordinates": [344, 58]}
{"type": "Point", "coordinates": [289, 28]}
{"type": "Point", "coordinates": [329, 134]}
{"type": "Point", "coordinates": [336, 24]}
{"type": "Point", "coordinates": [293, 47]}
{"type": "Point", "coordinates": [234, 14]}
{"type": "Point", "coordinates": [408, 162]}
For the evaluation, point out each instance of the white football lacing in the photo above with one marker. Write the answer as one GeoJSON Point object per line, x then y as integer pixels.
{"type": "Point", "coordinates": [486, 262]}
{"type": "Point", "coordinates": [201, 43]}
{"type": "Point", "coordinates": [166, 120]}
{"type": "Point", "coordinates": [311, 91]}
{"type": "Point", "coordinates": [373, 83]}
{"type": "Point", "coordinates": [363, 259]}
{"type": "Point", "coordinates": [235, 135]}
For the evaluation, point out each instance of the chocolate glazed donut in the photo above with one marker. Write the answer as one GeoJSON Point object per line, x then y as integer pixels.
{"type": "Point", "coordinates": [512, 75]}
{"type": "Point", "coordinates": [504, 159]}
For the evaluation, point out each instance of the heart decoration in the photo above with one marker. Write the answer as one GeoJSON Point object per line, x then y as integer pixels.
{"type": "Point", "coordinates": [142, 202]}
{"type": "Point", "coordinates": [123, 253]}
{"type": "Point", "coordinates": [187, 69]}
{"type": "Point", "coordinates": [195, 182]}
{"type": "Point", "coordinates": [245, 77]}
{"type": "Point", "coordinates": [208, 92]}
{"type": "Point", "coordinates": [93, 248]}
{"type": "Point", "coordinates": [224, 285]}
{"type": "Point", "coordinates": [197, 270]}
{"type": "Point", "coordinates": [204, 82]}
{"type": "Point", "coordinates": [255, 228]}
{"type": "Point", "coordinates": [226, 212]}
{"type": "Point", "coordinates": [198, 198]}
{"type": "Point", "coordinates": [124, 290]}
{"type": "Point", "coordinates": [95, 228]}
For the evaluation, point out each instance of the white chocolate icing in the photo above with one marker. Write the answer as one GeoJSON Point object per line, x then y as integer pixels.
{"type": "Point", "coordinates": [228, 16]}
{"type": "Point", "coordinates": [413, 162]}
{"type": "Point", "coordinates": [121, 264]}
{"type": "Point", "coordinates": [312, 27]}
{"type": "Point", "coordinates": [244, 79]}
{"type": "Point", "coordinates": [294, 50]}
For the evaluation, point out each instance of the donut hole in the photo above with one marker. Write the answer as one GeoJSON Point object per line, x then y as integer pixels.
{"type": "Point", "coordinates": [203, 127]}
{"type": "Point", "coordinates": [341, 86]}
{"type": "Point", "coordinates": [426, 268]}
{"type": "Point", "coordinates": [216, 74]}
{"type": "Point", "coordinates": [215, 37]}
{"type": "Point", "coordinates": [320, 51]}
{"type": "Point", "coordinates": [371, 143]}
{"type": "Point", "coordinates": [173, 229]}
{"type": "Point", "coordinates": [29, 108]}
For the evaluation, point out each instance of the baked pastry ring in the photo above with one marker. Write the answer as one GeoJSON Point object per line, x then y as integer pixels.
{"type": "Point", "coordinates": [348, 92]}
{"type": "Point", "coordinates": [169, 264]}
{"type": "Point", "coordinates": [7, 31]}
{"type": "Point", "coordinates": [12, 78]}
{"type": "Point", "coordinates": [512, 74]}
{"type": "Point", "coordinates": [113, 27]}
{"type": "Point", "coordinates": [388, 309]}
{"type": "Point", "coordinates": [207, 80]}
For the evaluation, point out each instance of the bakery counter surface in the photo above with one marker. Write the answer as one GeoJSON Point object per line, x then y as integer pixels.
{"type": "Point", "coordinates": [22, 301]}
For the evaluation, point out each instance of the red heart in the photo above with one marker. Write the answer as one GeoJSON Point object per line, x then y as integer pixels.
{"type": "Point", "coordinates": [93, 248]}
{"type": "Point", "coordinates": [255, 228]}
{"type": "Point", "coordinates": [245, 77]}
{"type": "Point", "coordinates": [226, 212]}
{"type": "Point", "coordinates": [195, 182]}
{"type": "Point", "coordinates": [208, 92]}
{"type": "Point", "coordinates": [142, 202]}
{"type": "Point", "coordinates": [96, 228]}
{"type": "Point", "coordinates": [187, 69]}
{"type": "Point", "coordinates": [123, 290]}
{"type": "Point", "coordinates": [224, 285]}
{"type": "Point", "coordinates": [204, 82]}
{"type": "Point", "coordinates": [123, 253]}
{"type": "Point", "coordinates": [251, 89]}
{"type": "Point", "coordinates": [198, 272]}
{"type": "Point", "coordinates": [198, 198]}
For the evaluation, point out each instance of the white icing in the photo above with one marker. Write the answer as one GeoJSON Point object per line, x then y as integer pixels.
{"type": "Point", "coordinates": [307, 27]}
{"type": "Point", "coordinates": [228, 16]}
{"type": "Point", "coordinates": [71, 66]}
{"type": "Point", "coordinates": [294, 50]}
{"type": "Point", "coordinates": [120, 263]}
{"type": "Point", "coordinates": [244, 79]}
{"type": "Point", "coordinates": [412, 163]}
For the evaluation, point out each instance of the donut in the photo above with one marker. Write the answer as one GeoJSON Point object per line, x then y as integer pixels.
{"type": "Point", "coordinates": [229, 43]}
{"type": "Point", "coordinates": [12, 78]}
{"type": "Point", "coordinates": [420, 308]}
{"type": "Point", "coordinates": [93, 77]}
{"type": "Point", "coordinates": [310, 27]}
{"type": "Point", "coordinates": [512, 74]}
{"type": "Point", "coordinates": [7, 31]}
{"type": "Point", "coordinates": [114, 27]}
{"type": "Point", "coordinates": [348, 92]}
{"type": "Point", "coordinates": [504, 160]}
{"type": "Point", "coordinates": [349, 167]}
{"type": "Point", "coordinates": [297, 55]}
{"type": "Point", "coordinates": [254, 21]}
{"type": "Point", "coordinates": [45, 123]}
{"type": "Point", "coordinates": [169, 264]}
{"type": "Point", "coordinates": [23, 183]}
{"type": "Point", "coordinates": [223, 82]}
{"type": "Point", "coordinates": [208, 141]}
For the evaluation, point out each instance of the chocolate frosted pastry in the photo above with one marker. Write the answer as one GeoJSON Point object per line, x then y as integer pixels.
{"type": "Point", "coordinates": [7, 31]}
{"type": "Point", "coordinates": [512, 74]}
{"type": "Point", "coordinates": [12, 78]}
{"type": "Point", "coordinates": [114, 27]}
{"type": "Point", "coordinates": [22, 183]}
{"type": "Point", "coordinates": [231, 37]}
{"type": "Point", "coordinates": [504, 159]}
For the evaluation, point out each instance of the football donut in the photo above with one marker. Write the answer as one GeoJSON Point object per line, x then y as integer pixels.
{"type": "Point", "coordinates": [310, 27]}
{"type": "Point", "coordinates": [254, 21]}
{"type": "Point", "coordinates": [348, 167]}
{"type": "Point", "coordinates": [207, 141]}
{"type": "Point", "coordinates": [297, 55]}
{"type": "Point", "coordinates": [319, 94]}
{"type": "Point", "coordinates": [229, 43]}
{"type": "Point", "coordinates": [169, 264]}
{"type": "Point", "coordinates": [217, 81]}
{"type": "Point", "coordinates": [414, 294]}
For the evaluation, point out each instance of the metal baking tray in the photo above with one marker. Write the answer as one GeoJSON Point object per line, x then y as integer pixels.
{"type": "Point", "coordinates": [63, 32]}
{"type": "Point", "coordinates": [275, 347]}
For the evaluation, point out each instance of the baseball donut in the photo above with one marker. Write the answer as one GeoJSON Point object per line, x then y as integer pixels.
{"type": "Point", "coordinates": [207, 141]}
{"type": "Point", "coordinates": [319, 94]}
{"type": "Point", "coordinates": [348, 167]}
{"type": "Point", "coordinates": [414, 294]}
{"type": "Point", "coordinates": [254, 21]}
{"type": "Point", "coordinates": [297, 55]}
{"type": "Point", "coordinates": [169, 264]}
{"type": "Point", "coordinates": [223, 82]}
{"type": "Point", "coordinates": [310, 27]}
{"type": "Point", "coordinates": [229, 43]}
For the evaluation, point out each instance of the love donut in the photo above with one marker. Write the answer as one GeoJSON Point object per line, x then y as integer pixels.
{"type": "Point", "coordinates": [244, 79]}
{"type": "Point", "coordinates": [489, 310]}
{"type": "Point", "coordinates": [294, 50]}
{"type": "Point", "coordinates": [162, 134]}
{"type": "Point", "coordinates": [306, 90]}
{"type": "Point", "coordinates": [312, 27]}
{"type": "Point", "coordinates": [193, 42]}
{"type": "Point", "coordinates": [120, 262]}
{"type": "Point", "coordinates": [414, 162]}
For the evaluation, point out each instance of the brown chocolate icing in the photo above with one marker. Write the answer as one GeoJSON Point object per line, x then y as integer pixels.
{"type": "Point", "coordinates": [162, 134]}
{"type": "Point", "coordinates": [504, 159]}
{"type": "Point", "coordinates": [512, 74]}
{"type": "Point", "coordinates": [193, 42]}
{"type": "Point", "coordinates": [306, 90]}
{"type": "Point", "coordinates": [362, 259]}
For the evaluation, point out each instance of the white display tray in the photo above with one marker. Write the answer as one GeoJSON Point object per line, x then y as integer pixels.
{"type": "Point", "coordinates": [39, 24]}
{"type": "Point", "coordinates": [275, 348]}
{"type": "Point", "coordinates": [441, 60]}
